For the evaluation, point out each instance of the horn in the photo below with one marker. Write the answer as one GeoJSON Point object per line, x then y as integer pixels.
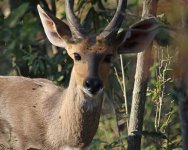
{"type": "Point", "coordinates": [111, 29]}
{"type": "Point", "coordinates": [74, 24]}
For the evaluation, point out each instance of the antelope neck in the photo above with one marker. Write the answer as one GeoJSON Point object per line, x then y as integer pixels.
{"type": "Point", "coordinates": [81, 115]}
{"type": "Point", "coordinates": [75, 94]}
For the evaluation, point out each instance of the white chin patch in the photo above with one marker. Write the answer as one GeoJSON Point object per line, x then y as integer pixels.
{"type": "Point", "coordinates": [90, 94]}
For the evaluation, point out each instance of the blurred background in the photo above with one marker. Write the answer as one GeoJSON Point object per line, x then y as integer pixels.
{"type": "Point", "coordinates": [25, 51]}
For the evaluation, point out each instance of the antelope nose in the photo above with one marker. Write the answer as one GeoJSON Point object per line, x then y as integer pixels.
{"type": "Point", "coordinates": [93, 85]}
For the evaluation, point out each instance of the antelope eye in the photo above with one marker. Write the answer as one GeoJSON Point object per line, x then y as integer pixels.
{"type": "Point", "coordinates": [108, 58]}
{"type": "Point", "coordinates": [77, 57]}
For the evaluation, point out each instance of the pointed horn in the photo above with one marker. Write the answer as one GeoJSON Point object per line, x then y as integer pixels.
{"type": "Point", "coordinates": [74, 24]}
{"type": "Point", "coordinates": [111, 29]}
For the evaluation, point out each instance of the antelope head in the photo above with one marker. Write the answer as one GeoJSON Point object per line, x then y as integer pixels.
{"type": "Point", "coordinates": [92, 54]}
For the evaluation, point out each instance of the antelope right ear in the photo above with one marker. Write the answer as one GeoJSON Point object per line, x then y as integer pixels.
{"type": "Point", "coordinates": [138, 37]}
{"type": "Point", "coordinates": [56, 30]}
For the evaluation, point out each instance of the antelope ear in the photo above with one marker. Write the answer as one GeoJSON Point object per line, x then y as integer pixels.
{"type": "Point", "coordinates": [56, 30]}
{"type": "Point", "coordinates": [138, 37]}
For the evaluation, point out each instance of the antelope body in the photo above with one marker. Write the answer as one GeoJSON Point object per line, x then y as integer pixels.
{"type": "Point", "coordinates": [35, 113]}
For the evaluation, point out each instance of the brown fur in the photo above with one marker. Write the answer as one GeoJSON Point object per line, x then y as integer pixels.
{"type": "Point", "coordinates": [84, 48]}
{"type": "Point", "coordinates": [35, 113]}
{"type": "Point", "coordinates": [39, 114]}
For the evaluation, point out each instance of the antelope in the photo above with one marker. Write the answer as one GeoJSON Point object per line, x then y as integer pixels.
{"type": "Point", "coordinates": [37, 114]}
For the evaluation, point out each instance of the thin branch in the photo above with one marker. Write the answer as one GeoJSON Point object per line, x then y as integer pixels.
{"type": "Point", "coordinates": [124, 90]}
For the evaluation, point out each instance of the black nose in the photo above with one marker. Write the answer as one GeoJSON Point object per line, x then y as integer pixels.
{"type": "Point", "coordinates": [93, 85]}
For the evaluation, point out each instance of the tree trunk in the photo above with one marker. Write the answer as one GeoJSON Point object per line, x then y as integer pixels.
{"type": "Point", "coordinates": [144, 61]}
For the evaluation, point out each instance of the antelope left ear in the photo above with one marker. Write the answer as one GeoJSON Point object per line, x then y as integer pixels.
{"type": "Point", "coordinates": [138, 37]}
{"type": "Point", "coordinates": [56, 30]}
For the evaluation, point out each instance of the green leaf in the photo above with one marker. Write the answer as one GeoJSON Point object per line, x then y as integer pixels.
{"type": "Point", "coordinates": [117, 141]}
{"type": "Point", "coordinates": [5, 34]}
{"type": "Point", "coordinates": [89, 19]}
{"type": "Point", "coordinates": [80, 4]}
{"type": "Point", "coordinates": [150, 134]}
{"type": "Point", "coordinates": [97, 142]}
{"type": "Point", "coordinates": [15, 15]}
